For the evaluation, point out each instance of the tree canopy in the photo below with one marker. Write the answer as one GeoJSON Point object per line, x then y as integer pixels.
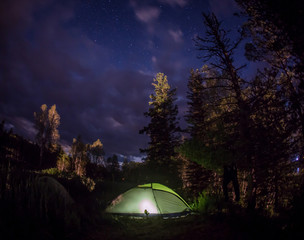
{"type": "Point", "coordinates": [47, 122]}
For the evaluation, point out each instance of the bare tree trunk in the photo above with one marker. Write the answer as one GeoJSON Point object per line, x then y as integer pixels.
{"type": "Point", "coordinates": [230, 174]}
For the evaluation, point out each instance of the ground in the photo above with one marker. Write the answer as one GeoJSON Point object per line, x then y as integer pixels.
{"type": "Point", "coordinates": [220, 226]}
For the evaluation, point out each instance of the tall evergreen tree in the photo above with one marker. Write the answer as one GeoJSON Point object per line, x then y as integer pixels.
{"type": "Point", "coordinates": [230, 117]}
{"type": "Point", "coordinates": [163, 128]}
{"type": "Point", "coordinates": [196, 114]}
{"type": "Point", "coordinates": [194, 175]}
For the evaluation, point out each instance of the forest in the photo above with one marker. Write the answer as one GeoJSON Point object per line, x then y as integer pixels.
{"type": "Point", "coordinates": [239, 163]}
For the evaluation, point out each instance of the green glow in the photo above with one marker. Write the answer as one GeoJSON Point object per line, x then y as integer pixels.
{"type": "Point", "coordinates": [152, 198]}
{"type": "Point", "coordinates": [158, 186]}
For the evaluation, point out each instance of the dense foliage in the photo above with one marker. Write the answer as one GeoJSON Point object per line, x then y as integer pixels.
{"type": "Point", "coordinates": [251, 125]}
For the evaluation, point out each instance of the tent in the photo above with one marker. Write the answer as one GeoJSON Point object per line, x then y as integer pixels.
{"type": "Point", "coordinates": [152, 199]}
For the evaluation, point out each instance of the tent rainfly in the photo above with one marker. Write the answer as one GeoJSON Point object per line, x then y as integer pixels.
{"type": "Point", "coordinates": [152, 199]}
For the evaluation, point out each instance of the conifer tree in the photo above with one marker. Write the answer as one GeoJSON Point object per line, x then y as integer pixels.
{"type": "Point", "coordinates": [163, 130]}
{"type": "Point", "coordinates": [163, 127]}
{"type": "Point", "coordinates": [196, 111]}
{"type": "Point", "coordinates": [194, 175]}
{"type": "Point", "coordinates": [227, 108]}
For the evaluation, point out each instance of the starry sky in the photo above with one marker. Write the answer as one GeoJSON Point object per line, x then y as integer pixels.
{"type": "Point", "coordinates": [96, 60]}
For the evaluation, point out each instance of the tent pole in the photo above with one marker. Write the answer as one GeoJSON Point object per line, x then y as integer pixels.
{"type": "Point", "coordinates": [155, 200]}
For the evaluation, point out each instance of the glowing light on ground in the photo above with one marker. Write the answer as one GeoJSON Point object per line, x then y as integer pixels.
{"type": "Point", "coordinates": [149, 206]}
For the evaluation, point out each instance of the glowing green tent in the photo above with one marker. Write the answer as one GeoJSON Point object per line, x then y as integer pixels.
{"type": "Point", "coordinates": [149, 200]}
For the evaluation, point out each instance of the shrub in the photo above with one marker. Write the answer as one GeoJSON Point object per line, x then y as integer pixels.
{"type": "Point", "coordinates": [206, 203]}
{"type": "Point", "coordinates": [89, 183]}
{"type": "Point", "coordinates": [51, 171]}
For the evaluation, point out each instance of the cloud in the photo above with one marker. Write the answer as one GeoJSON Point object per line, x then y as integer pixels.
{"type": "Point", "coordinates": [24, 126]}
{"type": "Point", "coordinates": [147, 14]}
{"type": "Point", "coordinates": [154, 60]}
{"type": "Point", "coordinates": [173, 3]}
{"type": "Point", "coordinates": [43, 62]}
{"type": "Point", "coordinates": [176, 35]}
{"type": "Point", "coordinates": [136, 159]}
{"type": "Point", "coordinates": [113, 123]}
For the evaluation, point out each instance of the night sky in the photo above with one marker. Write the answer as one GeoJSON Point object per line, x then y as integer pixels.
{"type": "Point", "coordinates": [96, 61]}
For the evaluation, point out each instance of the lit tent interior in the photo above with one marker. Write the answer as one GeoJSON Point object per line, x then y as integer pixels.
{"type": "Point", "coordinates": [152, 199]}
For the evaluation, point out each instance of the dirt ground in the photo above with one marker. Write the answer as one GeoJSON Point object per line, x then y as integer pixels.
{"type": "Point", "coordinates": [190, 227]}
